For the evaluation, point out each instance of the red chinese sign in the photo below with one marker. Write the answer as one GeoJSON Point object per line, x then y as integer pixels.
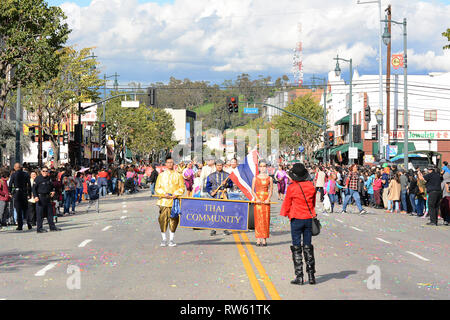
{"type": "Point", "coordinates": [397, 61]}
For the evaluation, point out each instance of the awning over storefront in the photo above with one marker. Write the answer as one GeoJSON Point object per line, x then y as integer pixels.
{"type": "Point", "coordinates": [344, 148]}
{"type": "Point", "coordinates": [343, 120]}
{"type": "Point", "coordinates": [318, 154]}
{"type": "Point", "coordinates": [411, 147]}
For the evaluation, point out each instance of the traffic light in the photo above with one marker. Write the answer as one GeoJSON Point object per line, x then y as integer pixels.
{"type": "Point", "coordinates": [330, 138]}
{"type": "Point", "coordinates": [367, 114]}
{"type": "Point", "coordinates": [102, 133]}
{"type": "Point", "coordinates": [233, 104]}
{"type": "Point", "coordinates": [375, 132]}
{"type": "Point", "coordinates": [356, 133]}
{"type": "Point", "coordinates": [151, 96]}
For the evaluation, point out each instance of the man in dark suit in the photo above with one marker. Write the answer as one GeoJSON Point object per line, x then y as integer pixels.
{"type": "Point", "coordinates": [217, 184]}
{"type": "Point", "coordinates": [18, 186]}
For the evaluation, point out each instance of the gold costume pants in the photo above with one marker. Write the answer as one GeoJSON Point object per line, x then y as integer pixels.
{"type": "Point", "coordinates": [165, 220]}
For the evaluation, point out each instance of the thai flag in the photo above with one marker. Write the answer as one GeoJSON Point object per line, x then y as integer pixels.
{"type": "Point", "coordinates": [243, 174]}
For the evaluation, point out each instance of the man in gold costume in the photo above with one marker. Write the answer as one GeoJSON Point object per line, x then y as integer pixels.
{"type": "Point", "coordinates": [169, 185]}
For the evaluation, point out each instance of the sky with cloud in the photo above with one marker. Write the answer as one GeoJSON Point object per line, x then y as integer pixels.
{"type": "Point", "coordinates": [148, 41]}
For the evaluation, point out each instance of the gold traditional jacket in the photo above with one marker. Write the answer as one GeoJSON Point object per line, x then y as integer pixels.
{"type": "Point", "coordinates": [169, 181]}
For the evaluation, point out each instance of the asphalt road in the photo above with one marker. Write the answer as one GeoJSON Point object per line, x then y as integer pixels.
{"type": "Point", "coordinates": [116, 254]}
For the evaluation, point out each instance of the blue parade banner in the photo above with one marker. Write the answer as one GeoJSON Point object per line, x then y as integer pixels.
{"type": "Point", "coordinates": [214, 214]}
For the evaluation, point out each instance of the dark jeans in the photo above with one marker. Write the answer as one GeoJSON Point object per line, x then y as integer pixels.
{"type": "Point", "coordinates": [79, 195]}
{"type": "Point", "coordinates": [333, 199]}
{"type": "Point", "coordinates": [21, 206]}
{"type": "Point", "coordinates": [434, 200]}
{"type": "Point", "coordinates": [69, 199]}
{"type": "Point", "coordinates": [412, 199]}
{"type": "Point", "coordinates": [301, 228]}
{"type": "Point", "coordinates": [420, 206]}
{"type": "Point", "coordinates": [403, 197]}
{"type": "Point", "coordinates": [44, 209]}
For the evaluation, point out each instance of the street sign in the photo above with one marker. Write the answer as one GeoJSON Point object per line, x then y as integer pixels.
{"type": "Point", "coordinates": [353, 153]}
{"type": "Point", "coordinates": [391, 151]}
{"type": "Point", "coordinates": [251, 110]}
{"type": "Point", "coordinates": [130, 104]}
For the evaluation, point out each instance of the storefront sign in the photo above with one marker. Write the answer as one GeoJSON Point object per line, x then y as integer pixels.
{"type": "Point", "coordinates": [422, 135]}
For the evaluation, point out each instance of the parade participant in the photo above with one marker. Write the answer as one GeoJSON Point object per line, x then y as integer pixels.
{"type": "Point", "coordinates": [206, 171]}
{"type": "Point", "coordinates": [281, 178]}
{"type": "Point", "coordinates": [196, 188]}
{"type": "Point", "coordinates": [188, 175]}
{"type": "Point", "coordinates": [169, 185]}
{"type": "Point", "coordinates": [262, 186]}
{"type": "Point", "coordinates": [18, 187]}
{"type": "Point", "coordinates": [43, 192]}
{"type": "Point", "coordinates": [299, 206]}
{"type": "Point", "coordinates": [216, 186]}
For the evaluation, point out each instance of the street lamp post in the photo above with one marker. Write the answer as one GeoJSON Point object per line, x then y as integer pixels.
{"type": "Point", "coordinates": [380, 60]}
{"type": "Point", "coordinates": [325, 148]}
{"type": "Point", "coordinates": [387, 40]}
{"type": "Point", "coordinates": [337, 71]}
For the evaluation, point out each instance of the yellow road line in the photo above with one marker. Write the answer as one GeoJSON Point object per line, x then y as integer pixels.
{"type": "Point", "coordinates": [259, 293]}
{"type": "Point", "coordinates": [267, 282]}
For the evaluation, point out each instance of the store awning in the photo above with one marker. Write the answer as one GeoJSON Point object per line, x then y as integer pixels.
{"type": "Point", "coordinates": [344, 148]}
{"type": "Point", "coordinates": [318, 154]}
{"type": "Point", "coordinates": [343, 120]}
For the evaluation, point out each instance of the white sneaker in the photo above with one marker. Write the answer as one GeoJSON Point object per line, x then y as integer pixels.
{"type": "Point", "coordinates": [163, 244]}
{"type": "Point", "coordinates": [172, 244]}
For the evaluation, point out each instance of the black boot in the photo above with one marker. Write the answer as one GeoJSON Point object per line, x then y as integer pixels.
{"type": "Point", "coordinates": [298, 264]}
{"type": "Point", "coordinates": [308, 252]}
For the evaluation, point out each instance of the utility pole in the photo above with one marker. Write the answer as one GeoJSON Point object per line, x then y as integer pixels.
{"type": "Point", "coordinates": [40, 136]}
{"type": "Point", "coordinates": [388, 78]}
{"type": "Point", "coordinates": [18, 124]}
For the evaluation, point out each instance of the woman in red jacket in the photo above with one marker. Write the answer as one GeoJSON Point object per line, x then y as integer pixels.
{"type": "Point", "coordinates": [299, 206]}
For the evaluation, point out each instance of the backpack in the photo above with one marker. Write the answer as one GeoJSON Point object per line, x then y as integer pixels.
{"type": "Point", "coordinates": [93, 191]}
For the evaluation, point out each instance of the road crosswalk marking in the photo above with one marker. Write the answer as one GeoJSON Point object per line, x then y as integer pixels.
{"type": "Point", "coordinates": [42, 272]}
{"type": "Point", "coordinates": [84, 243]}
{"type": "Point", "coordinates": [417, 256]}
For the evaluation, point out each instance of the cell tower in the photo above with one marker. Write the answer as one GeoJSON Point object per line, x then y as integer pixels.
{"type": "Point", "coordinates": [297, 63]}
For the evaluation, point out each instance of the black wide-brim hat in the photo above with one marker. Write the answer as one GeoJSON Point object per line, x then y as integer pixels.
{"type": "Point", "coordinates": [298, 172]}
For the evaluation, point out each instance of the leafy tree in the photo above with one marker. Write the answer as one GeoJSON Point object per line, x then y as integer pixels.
{"type": "Point", "coordinates": [55, 100]}
{"type": "Point", "coordinates": [447, 35]}
{"type": "Point", "coordinates": [294, 131]}
{"type": "Point", "coordinates": [145, 130]}
{"type": "Point", "coordinates": [31, 33]}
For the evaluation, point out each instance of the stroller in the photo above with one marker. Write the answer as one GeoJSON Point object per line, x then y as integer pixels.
{"type": "Point", "coordinates": [130, 186]}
